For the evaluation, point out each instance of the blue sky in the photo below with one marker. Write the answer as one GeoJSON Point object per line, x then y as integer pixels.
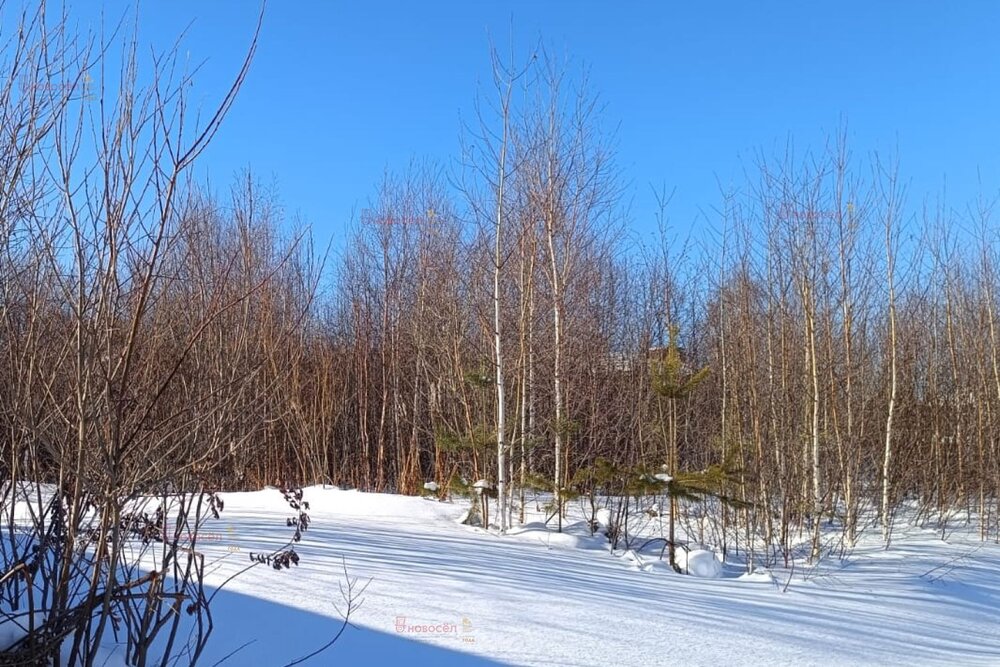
{"type": "Point", "coordinates": [342, 91]}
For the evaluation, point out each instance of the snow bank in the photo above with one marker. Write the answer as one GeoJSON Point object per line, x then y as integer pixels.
{"type": "Point", "coordinates": [572, 537]}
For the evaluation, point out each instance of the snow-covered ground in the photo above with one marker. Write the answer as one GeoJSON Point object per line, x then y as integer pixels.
{"type": "Point", "coordinates": [441, 593]}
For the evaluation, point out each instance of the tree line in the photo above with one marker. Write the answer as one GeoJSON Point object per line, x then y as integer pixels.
{"type": "Point", "coordinates": [839, 335]}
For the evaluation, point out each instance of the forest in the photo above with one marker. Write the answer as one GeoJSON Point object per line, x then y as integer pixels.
{"type": "Point", "coordinates": [823, 353]}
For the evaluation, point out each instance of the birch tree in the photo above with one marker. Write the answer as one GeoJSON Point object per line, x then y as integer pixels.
{"type": "Point", "coordinates": [890, 205]}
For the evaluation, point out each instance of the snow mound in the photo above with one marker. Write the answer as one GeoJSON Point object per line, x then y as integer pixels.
{"type": "Point", "coordinates": [658, 566]}
{"type": "Point", "coordinates": [430, 486]}
{"type": "Point", "coordinates": [699, 563]}
{"type": "Point", "coordinates": [539, 533]}
{"type": "Point", "coordinates": [760, 576]}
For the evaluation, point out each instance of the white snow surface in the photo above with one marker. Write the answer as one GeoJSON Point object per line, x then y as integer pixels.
{"type": "Point", "coordinates": [441, 593]}
{"type": "Point", "coordinates": [699, 563]}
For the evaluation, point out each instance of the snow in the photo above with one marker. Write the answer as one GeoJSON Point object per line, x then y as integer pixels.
{"type": "Point", "coordinates": [663, 477]}
{"type": "Point", "coordinates": [447, 594]}
{"type": "Point", "coordinates": [534, 597]}
{"type": "Point", "coordinates": [431, 486]}
{"type": "Point", "coordinates": [699, 563]}
{"type": "Point", "coordinates": [10, 632]}
{"type": "Point", "coordinates": [574, 537]}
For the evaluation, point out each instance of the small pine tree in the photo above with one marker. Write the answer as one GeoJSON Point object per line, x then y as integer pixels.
{"type": "Point", "coordinates": [673, 381]}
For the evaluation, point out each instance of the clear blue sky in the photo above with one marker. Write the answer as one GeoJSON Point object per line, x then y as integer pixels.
{"type": "Point", "coordinates": [340, 91]}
